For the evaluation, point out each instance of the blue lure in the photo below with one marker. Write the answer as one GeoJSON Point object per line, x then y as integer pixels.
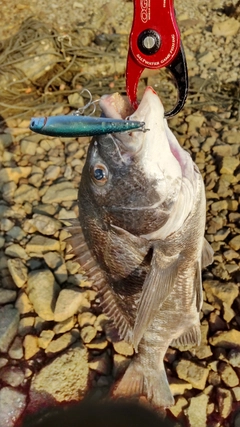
{"type": "Point", "coordinates": [76, 125]}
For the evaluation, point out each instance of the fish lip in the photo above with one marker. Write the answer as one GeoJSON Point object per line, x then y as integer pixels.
{"type": "Point", "coordinates": [140, 208]}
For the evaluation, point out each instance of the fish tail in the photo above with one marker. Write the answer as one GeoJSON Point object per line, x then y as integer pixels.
{"type": "Point", "coordinates": [151, 382]}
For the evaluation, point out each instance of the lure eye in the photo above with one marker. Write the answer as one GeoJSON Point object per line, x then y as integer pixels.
{"type": "Point", "coordinates": [99, 174]}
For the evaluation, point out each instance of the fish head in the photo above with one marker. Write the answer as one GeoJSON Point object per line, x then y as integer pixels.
{"type": "Point", "coordinates": [134, 179]}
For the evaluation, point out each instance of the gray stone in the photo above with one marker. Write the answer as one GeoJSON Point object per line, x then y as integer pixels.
{"type": "Point", "coordinates": [16, 251]}
{"type": "Point", "coordinates": [12, 405]}
{"type": "Point", "coordinates": [12, 375]}
{"type": "Point", "coordinates": [61, 192]}
{"type": "Point", "coordinates": [64, 379]}
{"type": "Point", "coordinates": [45, 224]}
{"type": "Point", "coordinates": [9, 319]}
{"type": "Point", "coordinates": [18, 271]}
{"type": "Point", "coordinates": [43, 291]}
{"type": "Point", "coordinates": [7, 296]}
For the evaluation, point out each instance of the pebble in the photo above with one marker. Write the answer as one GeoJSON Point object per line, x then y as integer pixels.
{"type": "Point", "coordinates": [28, 147]}
{"type": "Point", "coordinates": [123, 348]}
{"type": "Point", "coordinates": [197, 411]}
{"type": "Point", "coordinates": [98, 344]}
{"type": "Point", "coordinates": [219, 206]}
{"type": "Point", "coordinates": [12, 405]}
{"type": "Point", "coordinates": [228, 27]}
{"type": "Point", "coordinates": [234, 358]}
{"type": "Point", "coordinates": [236, 393]}
{"type": "Point", "coordinates": [61, 192]}
{"type": "Point", "coordinates": [45, 224]}
{"type": "Point", "coordinates": [43, 291]}
{"type": "Point", "coordinates": [16, 251]}
{"type": "Point", "coordinates": [14, 174]}
{"type": "Point", "coordinates": [23, 303]}
{"type": "Point", "coordinates": [61, 343]}
{"type": "Point", "coordinates": [226, 339]}
{"type": "Point", "coordinates": [25, 325]}
{"type": "Point", "coordinates": [228, 375]}
{"type": "Point", "coordinates": [30, 345]}
{"type": "Point", "coordinates": [192, 373]}
{"type": "Point", "coordinates": [7, 296]}
{"type": "Point", "coordinates": [224, 401]}
{"type": "Point", "coordinates": [56, 262]}
{"type": "Point", "coordinates": [12, 375]}
{"type": "Point", "coordinates": [68, 302]}
{"type": "Point", "coordinates": [88, 333]}
{"type": "Point", "coordinates": [229, 165]}
{"type": "Point", "coordinates": [9, 320]}
{"type": "Point", "coordinates": [180, 404]}
{"type": "Point", "coordinates": [88, 319]}
{"type": "Point", "coordinates": [101, 364]}
{"type": "Point", "coordinates": [64, 326]}
{"type": "Point", "coordinates": [59, 384]}
{"type": "Point", "coordinates": [52, 172]}
{"type": "Point", "coordinates": [178, 387]}
{"type": "Point", "coordinates": [235, 243]}
{"type": "Point", "coordinates": [218, 291]}
{"type": "Point", "coordinates": [45, 338]}
{"type": "Point", "coordinates": [16, 349]}
{"type": "Point", "coordinates": [26, 193]}
{"type": "Point", "coordinates": [18, 271]}
{"type": "Point", "coordinates": [41, 244]}
{"type": "Point", "coordinates": [3, 362]}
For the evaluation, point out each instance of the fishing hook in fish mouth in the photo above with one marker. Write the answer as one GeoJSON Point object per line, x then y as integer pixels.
{"type": "Point", "coordinates": [81, 110]}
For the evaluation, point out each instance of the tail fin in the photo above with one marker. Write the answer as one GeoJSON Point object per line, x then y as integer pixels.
{"type": "Point", "coordinates": [140, 380]}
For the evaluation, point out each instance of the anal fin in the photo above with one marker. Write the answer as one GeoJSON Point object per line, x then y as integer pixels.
{"type": "Point", "coordinates": [190, 337]}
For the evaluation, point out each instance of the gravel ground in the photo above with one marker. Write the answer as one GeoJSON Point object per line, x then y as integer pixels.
{"type": "Point", "coordinates": [54, 341]}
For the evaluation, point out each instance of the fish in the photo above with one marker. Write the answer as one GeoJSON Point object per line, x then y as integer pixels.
{"type": "Point", "coordinates": [75, 125]}
{"type": "Point", "coordinates": [140, 240]}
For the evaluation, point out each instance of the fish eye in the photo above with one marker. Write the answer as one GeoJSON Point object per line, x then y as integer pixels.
{"type": "Point", "coordinates": [99, 174]}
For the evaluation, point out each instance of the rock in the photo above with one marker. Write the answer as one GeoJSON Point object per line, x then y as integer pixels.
{"type": "Point", "coordinates": [62, 343]}
{"type": "Point", "coordinates": [3, 362]}
{"type": "Point", "coordinates": [9, 319]}
{"type": "Point", "coordinates": [98, 344]}
{"type": "Point", "coordinates": [7, 296]}
{"type": "Point", "coordinates": [201, 352]}
{"type": "Point", "coordinates": [101, 364]}
{"type": "Point", "coordinates": [236, 393]}
{"type": "Point", "coordinates": [68, 303]}
{"type": "Point", "coordinates": [234, 358]}
{"type": "Point", "coordinates": [180, 404]}
{"type": "Point", "coordinates": [195, 122]}
{"type": "Point", "coordinates": [120, 364]}
{"type": "Point", "coordinates": [45, 225]}
{"type": "Point", "coordinates": [87, 319]}
{"type": "Point", "coordinates": [64, 326]}
{"type": "Point", "coordinates": [229, 164]}
{"type": "Point", "coordinates": [26, 193]}
{"type": "Point", "coordinates": [41, 245]}
{"type": "Point", "coordinates": [12, 375]}
{"type": "Point", "coordinates": [178, 386]}
{"type": "Point", "coordinates": [2, 242]}
{"type": "Point", "coordinates": [45, 338]}
{"type": "Point", "coordinates": [228, 375]}
{"type": "Point", "coordinates": [12, 405]}
{"type": "Point", "coordinates": [235, 243]}
{"type": "Point", "coordinates": [123, 348]}
{"type": "Point", "coordinates": [23, 303]}
{"type": "Point", "coordinates": [52, 172]}
{"type": "Point", "coordinates": [56, 262]}
{"type": "Point", "coordinates": [43, 291]}
{"type": "Point", "coordinates": [228, 314]}
{"type": "Point", "coordinates": [30, 344]}
{"type": "Point", "coordinates": [26, 325]}
{"type": "Point", "coordinates": [220, 292]}
{"type": "Point", "coordinates": [16, 233]}
{"type": "Point", "coordinates": [197, 411]}
{"type": "Point", "coordinates": [14, 174]}
{"type": "Point", "coordinates": [226, 28]}
{"type": "Point", "coordinates": [214, 378]}
{"type": "Point", "coordinates": [63, 380]}
{"type": "Point", "coordinates": [16, 251]}
{"type": "Point", "coordinates": [226, 339]}
{"type": "Point", "coordinates": [192, 373]}
{"type": "Point", "coordinates": [224, 401]}
{"type": "Point", "coordinates": [61, 192]}
{"type": "Point", "coordinates": [219, 206]}
{"type": "Point", "coordinates": [16, 349]}
{"type": "Point", "coordinates": [88, 333]}
{"type": "Point", "coordinates": [28, 147]}
{"type": "Point", "coordinates": [216, 323]}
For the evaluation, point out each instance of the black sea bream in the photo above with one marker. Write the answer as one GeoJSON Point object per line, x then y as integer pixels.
{"type": "Point", "coordinates": [141, 241]}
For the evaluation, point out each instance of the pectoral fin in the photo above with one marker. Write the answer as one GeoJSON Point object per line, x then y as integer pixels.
{"type": "Point", "coordinates": [157, 286]}
{"type": "Point", "coordinates": [124, 252]}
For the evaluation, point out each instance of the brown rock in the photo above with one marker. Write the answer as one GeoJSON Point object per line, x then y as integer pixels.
{"type": "Point", "coordinates": [192, 373]}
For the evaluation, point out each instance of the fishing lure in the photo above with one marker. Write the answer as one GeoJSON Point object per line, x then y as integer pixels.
{"type": "Point", "coordinates": [76, 125]}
